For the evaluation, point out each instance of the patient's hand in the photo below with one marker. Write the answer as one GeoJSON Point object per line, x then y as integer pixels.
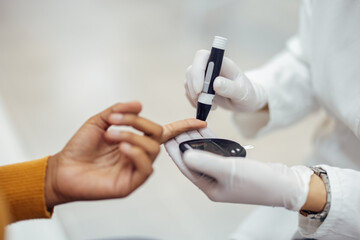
{"type": "Point", "coordinates": [98, 163]}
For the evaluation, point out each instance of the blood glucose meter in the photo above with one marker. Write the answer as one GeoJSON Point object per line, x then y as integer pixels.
{"type": "Point", "coordinates": [218, 146]}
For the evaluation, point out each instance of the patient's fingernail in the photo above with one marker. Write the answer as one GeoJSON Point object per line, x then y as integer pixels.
{"type": "Point", "coordinates": [125, 146]}
{"type": "Point", "coordinates": [116, 117]}
{"type": "Point", "coordinates": [114, 132]}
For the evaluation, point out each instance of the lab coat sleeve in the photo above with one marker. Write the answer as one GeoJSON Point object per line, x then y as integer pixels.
{"type": "Point", "coordinates": [286, 79]}
{"type": "Point", "coordinates": [343, 219]}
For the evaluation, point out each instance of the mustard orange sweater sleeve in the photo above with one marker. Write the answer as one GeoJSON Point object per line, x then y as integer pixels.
{"type": "Point", "coordinates": [22, 189]}
{"type": "Point", "coordinates": [4, 216]}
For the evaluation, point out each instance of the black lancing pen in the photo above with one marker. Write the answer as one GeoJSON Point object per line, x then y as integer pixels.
{"type": "Point", "coordinates": [212, 71]}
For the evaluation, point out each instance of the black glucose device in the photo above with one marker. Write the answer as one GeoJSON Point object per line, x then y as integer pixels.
{"type": "Point", "coordinates": [218, 146]}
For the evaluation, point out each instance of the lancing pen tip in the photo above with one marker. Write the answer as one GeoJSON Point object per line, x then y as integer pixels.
{"type": "Point", "coordinates": [202, 111]}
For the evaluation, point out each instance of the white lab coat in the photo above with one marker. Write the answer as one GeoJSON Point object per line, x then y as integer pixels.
{"type": "Point", "coordinates": [320, 68]}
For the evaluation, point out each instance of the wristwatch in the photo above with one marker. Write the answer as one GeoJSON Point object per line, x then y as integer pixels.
{"type": "Point", "coordinates": [320, 216]}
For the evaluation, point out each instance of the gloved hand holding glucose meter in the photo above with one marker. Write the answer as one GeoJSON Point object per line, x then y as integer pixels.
{"type": "Point", "coordinates": [233, 179]}
{"type": "Point", "coordinates": [202, 139]}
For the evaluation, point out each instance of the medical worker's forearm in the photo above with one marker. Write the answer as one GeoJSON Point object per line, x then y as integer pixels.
{"type": "Point", "coordinates": [316, 198]}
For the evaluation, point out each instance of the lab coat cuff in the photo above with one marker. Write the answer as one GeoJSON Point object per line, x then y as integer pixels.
{"type": "Point", "coordinates": [290, 98]}
{"type": "Point", "coordinates": [249, 124]}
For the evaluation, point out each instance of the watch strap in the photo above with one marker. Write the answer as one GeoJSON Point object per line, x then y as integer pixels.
{"type": "Point", "coordinates": [323, 214]}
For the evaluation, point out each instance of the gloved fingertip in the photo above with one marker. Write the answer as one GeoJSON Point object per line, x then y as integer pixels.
{"type": "Point", "coordinates": [225, 87]}
{"type": "Point", "coordinates": [195, 157]}
{"type": "Point", "coordinates": [202, 53]}
{"type": "Point", "coordinates": [189, 157]}
{"type": "Point", "coordinates": [219, 84]}
{"type": "Point", "coordinates": [198, 87]}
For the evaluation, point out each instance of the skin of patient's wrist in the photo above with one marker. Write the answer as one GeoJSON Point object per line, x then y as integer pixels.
{"type": "Point", "coordinates": [50, 193]}
{"type": "Point", "coordinates": [317, 195]}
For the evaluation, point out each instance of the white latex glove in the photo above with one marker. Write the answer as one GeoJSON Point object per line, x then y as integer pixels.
{"type": "Point", "coordinates": [172, 147]}
{"type": "Point", "coordinates": [240, 180]}
{"type": "Point", "coordinates": [234, 91]}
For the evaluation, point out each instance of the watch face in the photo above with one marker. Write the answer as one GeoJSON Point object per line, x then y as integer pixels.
{"type": "Point", "coordinates": [218, 146]}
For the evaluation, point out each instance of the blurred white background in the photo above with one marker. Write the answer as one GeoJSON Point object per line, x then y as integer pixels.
{"type": "Point", "coordinates": [63, 61]}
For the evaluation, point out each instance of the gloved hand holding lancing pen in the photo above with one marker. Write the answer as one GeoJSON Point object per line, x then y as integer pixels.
{"type": "Point", "coordinates": [233, 90]}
